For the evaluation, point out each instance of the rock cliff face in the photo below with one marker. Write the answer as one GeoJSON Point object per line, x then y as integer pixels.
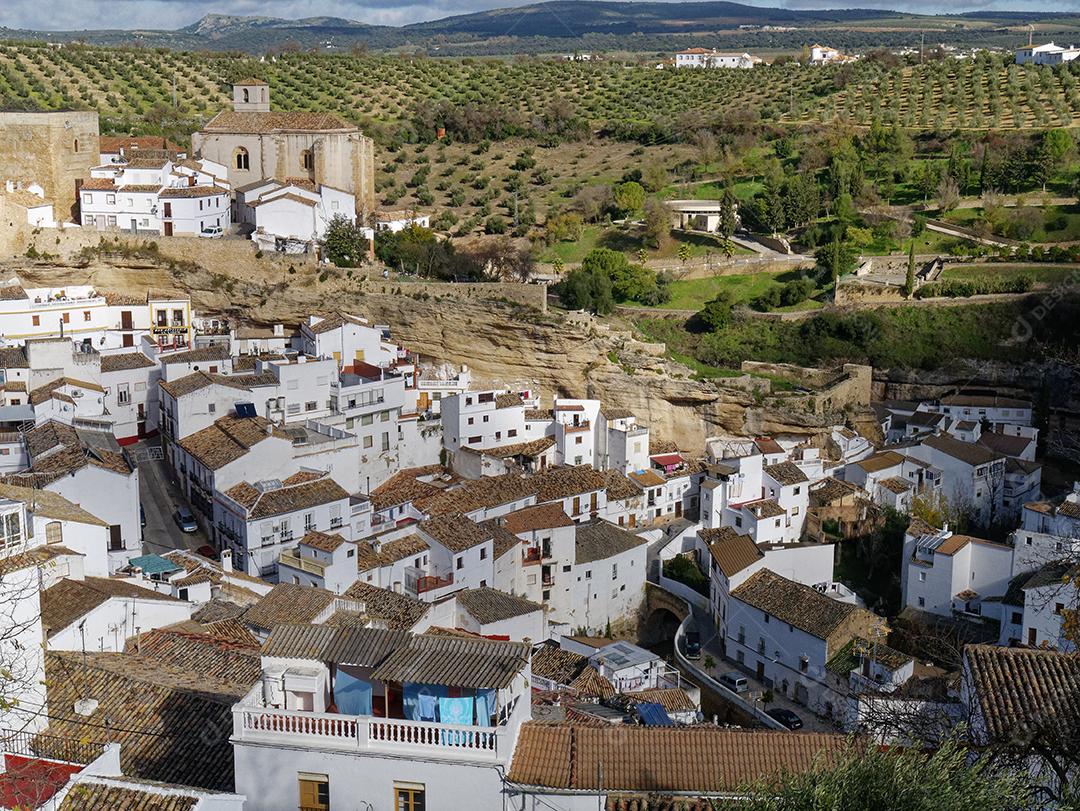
{"type": "Point", "coordinates": [502, 345]}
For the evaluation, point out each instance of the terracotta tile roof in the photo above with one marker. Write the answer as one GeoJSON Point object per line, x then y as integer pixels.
{"type": "Point", "coordinates": [954, 543]}
{"type": "Point", "coordinates": [472, 495]}
{"type": "Point", "coordinates": [288, 603]}
{"type": "Point", "coordinates": [647, 478]}
{"type": "Point", "coordinates": [539, 414]}
{"type": "Point", "coordinates": [556, 664]}
{"type": "Point", "coordinates": [619, 487]}
{"type": "Point", "coordinates": [796, 604]}
{"type": "Point", "coordinates": [322, 541]}
{"type": "Point", "coordinates": [828, 490]}
{"type": "Point", "coordinates": [89, 795]}
{"type": "Point", "coordinates": [455, 532]}
{"type": "Point", "coordinates": [850, 656]}
{"type": "Point", "coordinates": [767, 445]}
{"type": "Point", "coordinates": [42, 393]}
{"type": "Point", "coordinates": [48, 504]}
{"type": "Point", "coordinates": [542, 516]}
{"type": "Point", "coordinates": [158, 713]}
{"type": "Point", "coordinates": [964, 451]}
{"type": "Point", "coordinates": [507, 400]}
{"type": "Point", "coordinates": [288, 498]}
{"type": "Point", "coordinates": [880, 461]}
{"type": "Point", "coordinates": [404, 487]}
{"type": "Point", "coordinates": [12, 357]}
{"type": "Point", "coordinates": [763, 508]}
{"type": "Point", "coordinates": [896, 484]}
{"type": "Point", "coordinates": [122, 361]}
{"type": "Point", "coordinates": [69, 600]}
{"type": "Point", "coordinates": [731, 550]}
{"type": "Point", "coordinates": [671, 699]}
{"type": "Point", "coordinates": [591, 683]}
{"type": "Point", "coordinates": [204, 353]}
{"type": "Point", "coordinates": [193, 191]}
{"type": "Point", "coordinates": [392, 551]}
{"type": "Point", "coordinates": [206, 653]}
{"type": "Point", "coordinates": [533, 447]}
{"type": "Point", "coordinates": [98, 184]}
{"type": "Point", "coordinates": [332, 322]}
{"type": "Point", "coordinates": [706, 759]}
{"type": "Point", "coordinates": [250, 82]}
{"type": "Point", "coordinates": [34, 557]}
{"type": "Point", "coordinates": [487, 605]}
{"type": "Point", "coordinates": [398, 611]}
{"type": "Point", "coordinates": [1003, 443]}
{"type": "Point", "coordinates": [455, 662]}
{"type": "Point", "coordinates": [262, 123]}
{"type": "Point", "coordinates": [598, 540]}
{"type": "Point", "coordinates": [786, 473]}
{"type": "Point", "coordinates": [503, 540]}
{"type": "Point", "coordinates": [140, 188]}
{"type": "Point", "coordinates": [228, 439]}
{"type": "Point", "coordinates": [563, 482]}
{"type": "Point", "coordinates": [146, 163]}
{"type": "Point", "coordinates": [114, 143]}
{"type": "Point", "coordinates": [293, 198]}
{"type": "Point", "coordinates": [56, 450]}
{"type": "Point", "coordinates": [1023, 692]}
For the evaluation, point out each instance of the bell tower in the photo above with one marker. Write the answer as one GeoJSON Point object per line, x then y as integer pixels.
{"type": "Point", "coordinates": [251, 96]}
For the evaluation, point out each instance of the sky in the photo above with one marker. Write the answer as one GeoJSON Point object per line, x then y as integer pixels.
{"type": "Point", "coordinates": [70, 15]}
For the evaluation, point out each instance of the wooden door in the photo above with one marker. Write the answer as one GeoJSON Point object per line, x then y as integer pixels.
{"type": "Point", "coordinates": [125, 319]}
{"type": "Point", "coordinates": [168, 229]}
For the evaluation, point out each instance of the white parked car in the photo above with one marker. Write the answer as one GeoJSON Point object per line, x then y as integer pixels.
{"type": "Point", "coordinates": [212, 232]}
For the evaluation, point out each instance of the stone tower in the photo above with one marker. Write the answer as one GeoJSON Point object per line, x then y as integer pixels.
{"type": "Point", "coordinates": [251, 96]}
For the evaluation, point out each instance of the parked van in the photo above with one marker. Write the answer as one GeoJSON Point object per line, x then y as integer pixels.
{"type": "Point", "coordinates": [735, 681]}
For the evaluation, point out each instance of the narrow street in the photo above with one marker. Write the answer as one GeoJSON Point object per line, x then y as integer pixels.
{"type": "Point", "coordinates": [160, 497]}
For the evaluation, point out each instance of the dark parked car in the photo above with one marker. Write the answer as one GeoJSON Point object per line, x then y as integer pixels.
{"type": "Point", "coordinates": [785, 717]}
{"type": "Point", "coordinates": [692, 645]}
{"type": "Point", "coordinates": [185, 519]}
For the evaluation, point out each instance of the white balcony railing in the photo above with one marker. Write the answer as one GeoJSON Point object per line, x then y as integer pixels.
{"type": "Point", "coordinates": [390, 735]}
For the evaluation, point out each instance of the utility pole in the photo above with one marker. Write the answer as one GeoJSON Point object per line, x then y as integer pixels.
{"type": "Point", "coordinates": [922, 44]}
{"type": "Point", "coordinates": [174, 90]}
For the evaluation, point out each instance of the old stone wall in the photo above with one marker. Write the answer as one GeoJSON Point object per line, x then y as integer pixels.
{"type": "Point", "coordinates": [54, 150]}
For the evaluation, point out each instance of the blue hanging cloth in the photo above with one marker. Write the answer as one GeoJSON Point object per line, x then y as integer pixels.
{"type": "Point", "coordinates": [485, 707]}
{"type": "Point", "coordinates": [456, 711]}
{"type": "Point", "coordinates": [352, 695]}
{"type": "Point", "coordinates": [411, 693]}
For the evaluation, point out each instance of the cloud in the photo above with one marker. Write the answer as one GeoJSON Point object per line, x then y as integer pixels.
{"type": "Point", "coordinates": [67, 15]}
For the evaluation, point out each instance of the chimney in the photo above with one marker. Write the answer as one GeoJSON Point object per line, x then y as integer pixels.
{"type": "Point", "coordinates": [279, 330]}
{"type": "Point", "coordinates": [226, 560]}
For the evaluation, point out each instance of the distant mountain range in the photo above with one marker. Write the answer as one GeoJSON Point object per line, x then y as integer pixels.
{"type": "Point", "coordinates": [559, 24]}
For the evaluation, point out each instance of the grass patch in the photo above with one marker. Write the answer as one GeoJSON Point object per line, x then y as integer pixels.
{"type": "Point", "coordinates": [1042, 274]}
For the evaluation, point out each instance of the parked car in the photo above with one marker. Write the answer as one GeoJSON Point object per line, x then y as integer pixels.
{"type": "Point", "coordinates": [207, 551]}
{"type": "Point", "coordinates": [785, 717]}
{"type": "Point", "coordinates": [735, 681]}
{"type": "Point", "coordinates": [692, 645]}
{"type": "Point", "coordinates": [212, 232]}
{"type": "Point", "coordinates": [185, 519]}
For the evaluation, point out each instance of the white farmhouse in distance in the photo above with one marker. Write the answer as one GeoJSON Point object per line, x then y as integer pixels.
{"type": "Point", "coordinates": [711, 58]}
{"type": "Point", "coordinates": [1047, 54]}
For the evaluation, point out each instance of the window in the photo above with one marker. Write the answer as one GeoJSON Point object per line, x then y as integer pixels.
{"type": "Point", "coordinates": [88, 199]}
{"type": "Point", "coordinates": [1059, 608]}
{"type": "Point", "coordinates": [241, 158]}
{"type": "Point", "coordinates": [54, 532]}
{"type": "Point", "coordinates": [459, 563]}
{"type": "Point", "coordinates": [89, 220]}
{"type": "Point", "coordinates": [368, 441]}
{"type": "Point", "coordinates": [67, 318]}
{"type": "Point", "coordinates": [474, 439]}
{"type": "Point", "coordinates": [804, 664]}
{"type": "Point", "coordinates": [111, 221]}
{"type": "Point", "coordinates": [470, 422]}
{"type": "Point", "coordinates": [367, 419]}
{"type": "Point", "coordinates": [36, 319]}
{"type": "Point", "coordinates": [738, 520]}
{"type": "Point", "coordinates": [614, 571]}
{"type": "Point", "coordinates": [123, 394]}
{"type": "Point", "coordinates": [512, 432]}
{"type": "Point", "coordinates": [314, 792]}
{"type": "Point", "coordinates": [311, 405]}
{"type": "Point", "coordinates": [922, 602]}
{"type": "Point", "coordinates": [483, 553]}
{"type": "Point", "coordinates": [309, 522]}
{"type": "Point", "coordinates": [797, 490]}
{"type": "Point", "coordinates": [110, 199]}
{"type": "Point", "coordinates": [211, 408]}
{"type": "Point", "coordinates": [409, 797]}
{"type": "Point", "coordinates": [182, 594]}
{"type": "Point", "coordinates": [307, 160]}
{"type": "Point", "coordinates": [922, 577]}
{"type": "Point", "coordinates": [577, 440]}
{"type": "Point", "coordinates": [1017, 618]}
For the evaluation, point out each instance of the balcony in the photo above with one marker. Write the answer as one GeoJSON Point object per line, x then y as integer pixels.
{"type": "Point", "coordinates": [575, 429]}
{"type": "Point", "coordinates": [294, 561]}
{"type": "Point", "coordinates": [530, 557]}
{"type": "Point", "coordinates": [431, 582]}
{"type": "Point", "coordinates": [364, 734]}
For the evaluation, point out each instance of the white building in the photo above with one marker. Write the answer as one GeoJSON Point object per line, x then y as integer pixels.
{"type": "Point", "coordinates": [711, 58]}
{"type": "Point", "coordinates": [150, 196]}
{"type": "Point", "coordinates": [428, 717]}
{"type": "Point", "coordinates": [1046, 54]}
{"type": "Point", "coordinates": [784, 633]}
{"type": "Point", "coordinates": [291, 216]}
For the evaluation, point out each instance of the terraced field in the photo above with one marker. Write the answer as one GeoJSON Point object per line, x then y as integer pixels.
{"type": "Point", "coordinates": [981, 93]}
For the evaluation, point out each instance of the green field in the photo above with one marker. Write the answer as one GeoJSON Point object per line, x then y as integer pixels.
{"type": "Point", "coordinates": [629, 242]}
{"type": "Point", "coordinates": [1037, 224]}
{"type": "Point", "coordinates": [691, 294]}
{"type": "Point", "coordinates": [1042, 274]}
